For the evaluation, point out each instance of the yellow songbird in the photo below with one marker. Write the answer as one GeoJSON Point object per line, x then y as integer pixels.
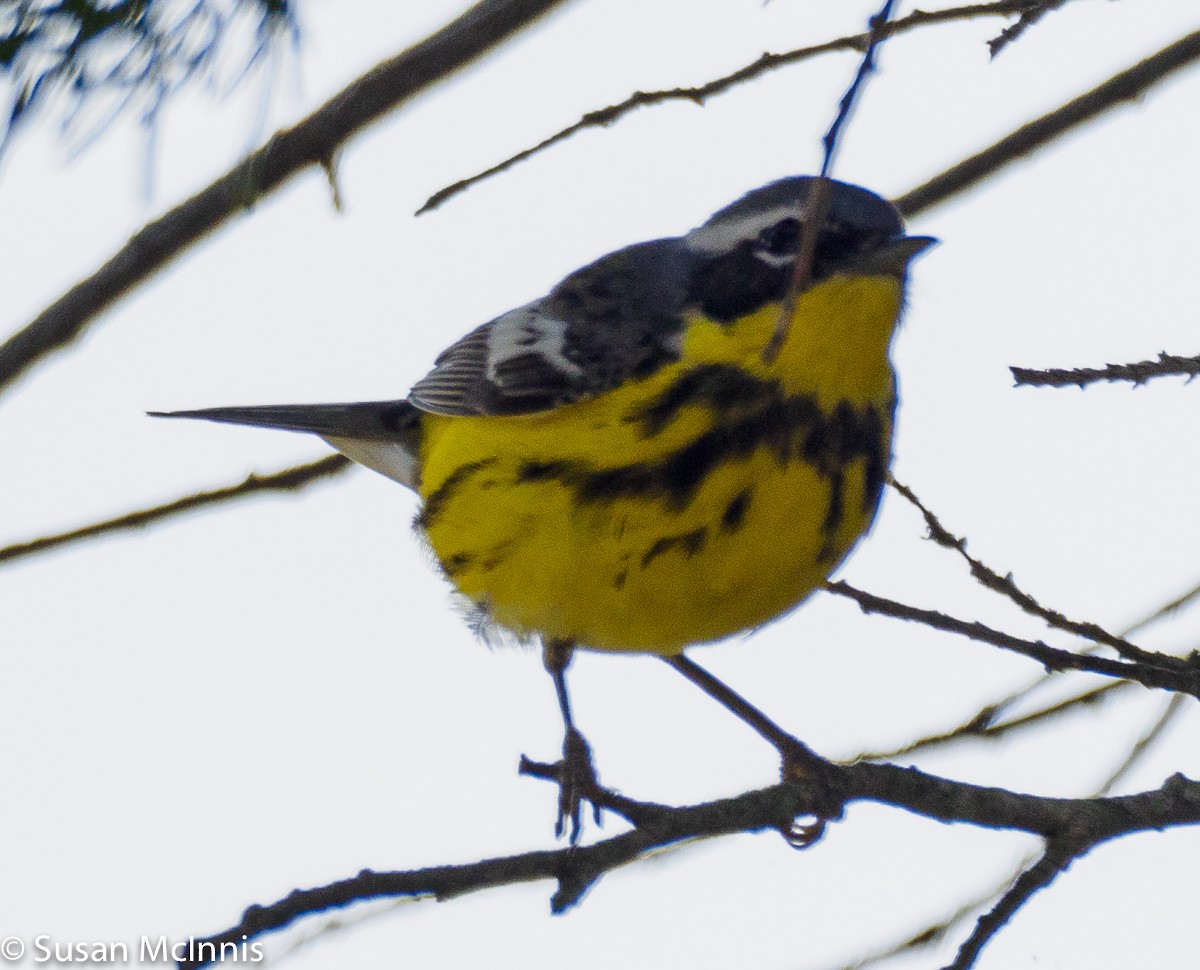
{"type": "Point", "coordinates": [632, 462]}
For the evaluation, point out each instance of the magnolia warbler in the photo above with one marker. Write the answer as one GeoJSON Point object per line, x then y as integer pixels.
{"type": "Point", "coordinates": [622, 465]}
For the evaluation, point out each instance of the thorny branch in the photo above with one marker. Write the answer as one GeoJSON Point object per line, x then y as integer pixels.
{"type": "Point", "coordinates": [986, 724]}
{"type": "Point", "coordinates": [1060, 851]}
{"type": "Point", "coordinates": [1167, 365]}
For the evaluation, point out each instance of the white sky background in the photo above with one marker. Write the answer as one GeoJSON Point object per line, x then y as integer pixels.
{"type": "Point", "coordinates": [278, 693]}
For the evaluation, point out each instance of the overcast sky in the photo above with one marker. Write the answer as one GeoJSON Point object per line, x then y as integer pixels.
{"type": "Point", "coordinates": [276, 694]}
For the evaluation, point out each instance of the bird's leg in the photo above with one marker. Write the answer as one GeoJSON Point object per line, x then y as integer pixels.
{"type": "Point", "coordinates": [576, 775]}
{"type": "Point", "coordinates": [800, 762]}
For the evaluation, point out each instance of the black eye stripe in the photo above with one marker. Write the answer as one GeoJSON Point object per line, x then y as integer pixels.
{"type": "Point", "coordinates": [781, 238]}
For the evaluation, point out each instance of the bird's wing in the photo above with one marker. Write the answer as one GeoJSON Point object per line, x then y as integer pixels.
{"type": "Point", "coordinates": [619, 318]}
{"type": "Point", "coordinates": [613, 320]}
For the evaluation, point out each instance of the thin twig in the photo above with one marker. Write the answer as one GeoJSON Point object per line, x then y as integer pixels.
{"type": "Point", "coordinates": [1024, 22]}
{"type": "Point", "coordinates": [983, 726]}
{"type": "Point", "coordinates": [936, 932]}
{"type": "Point", "coordinates": [1170, 712]}
{"type": "Point", "coordinates": [1058, 855]}
{"type": "Point", "coordinates": [1006, 586]}
{"type": "Point", "coordinates": [814, 218]}
{"type": "Point", "coordinates": [603, 117]}
{"type": "Point", "coordinates": [818, 198]}
{"type": "Point", "coordinates": [1135, 753]}
{"type": "Point", "coordinates": [324, 132]}
{"type": "Point", "coordinates": [312, 142]}
{"type": "Point", "coordinates": [877, 31]}
{"type": "Point", "coordinates": [986, 723]}
{"type": "Point", "coordinates": [1180, 601]}
{"type": "Point", "coordinates": [1127, 86]}
{"type": "Point", "coordinates": [288, 480]}
{"type": "Point", "coordinates": [1061, 851]}
{"type": "Point", "coordinates": [1177, 675]}
{"type": "Point", "coordinates": [1167, 365]}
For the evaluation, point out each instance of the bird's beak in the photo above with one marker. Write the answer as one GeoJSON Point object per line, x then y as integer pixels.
{"type": "Point", "coordinates": [892, 256]}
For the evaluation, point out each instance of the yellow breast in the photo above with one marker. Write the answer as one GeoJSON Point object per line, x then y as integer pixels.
{"type": "Point", "coordinates": [704, 499]}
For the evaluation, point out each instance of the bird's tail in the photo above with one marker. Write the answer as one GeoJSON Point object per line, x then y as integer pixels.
{"type": "Point", "coordinates": [383, 435]}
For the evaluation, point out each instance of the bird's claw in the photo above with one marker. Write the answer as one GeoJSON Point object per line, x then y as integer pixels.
{"type": "Point", "coordinates": [576, 781]}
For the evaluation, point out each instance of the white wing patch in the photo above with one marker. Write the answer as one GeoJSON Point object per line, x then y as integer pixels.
{"type": "Point", "coordinates": [524, 331]}
{"type": "Point", "coordinates": [514, 364]}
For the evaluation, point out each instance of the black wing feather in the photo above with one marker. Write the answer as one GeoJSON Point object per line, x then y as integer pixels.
{"type": "Point", "coordinates": [616, 319]}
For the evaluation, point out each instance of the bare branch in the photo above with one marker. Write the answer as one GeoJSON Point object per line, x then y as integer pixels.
{"type": "Point", "coordinates": [936, 932]}
{"type": "Point", "coordinates": [574, 868]}
{"type": "Point", "coordinates": [1024, 22]}
{"type": "Point", "coordinates": [818, 199]}
{"type": "Point", "coordinates": [1165, 673]}
{"type": "Point", "coordinates": [877, 31]}
{"type": "Point", "coordinates": [987, 724]}
{"type": "Point", "coordinates": [603, 117]}
{"type": "Point", "coordinates": [1060, 851]}
{"type": "Point", "coordinates": [312, 142]}
{"type": "Point", "coordinates": [1129, 85]}
{"type": "Point", "coordinates": [1006, 586]}
{"type": "Point", "coordinates": [984, 725]}
{"type": "Point", "coordinates": [288, 480]}
{"type": "Point", "coordinates": [1167, 365]}
{"type": "Point", "coordinates": [1178, 603]}
{"type": "Point", "coordinates": [1088, 822]}
{"type": "Point", "coordinates": [316, 140]}
{"type": "Point", "coordinates": [1059, 854]}
{"type": "Point", "coordinates": [1170, 712]}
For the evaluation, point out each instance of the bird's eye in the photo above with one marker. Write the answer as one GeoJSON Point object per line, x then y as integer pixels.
{"type": "Point", "coordinates": [781, 239]}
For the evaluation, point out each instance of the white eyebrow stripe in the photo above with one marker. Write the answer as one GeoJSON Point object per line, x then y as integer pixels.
{"type": "Point", "coordinates": [720, 235]}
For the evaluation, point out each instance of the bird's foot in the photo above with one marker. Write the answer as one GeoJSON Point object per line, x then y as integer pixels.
{"type": "Point", "coordinates": [576, 782]}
